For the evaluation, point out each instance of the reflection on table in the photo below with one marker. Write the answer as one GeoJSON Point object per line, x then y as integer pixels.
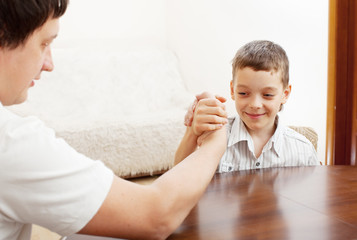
{"type": "Point", "coordinates": [277, 203]}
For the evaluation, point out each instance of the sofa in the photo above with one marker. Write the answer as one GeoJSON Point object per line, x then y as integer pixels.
{"type": "Point", "coordinates": [124, 107]}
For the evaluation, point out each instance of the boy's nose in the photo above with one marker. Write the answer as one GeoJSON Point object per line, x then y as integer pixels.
{"type": "Point", "coordinates": [255, 102]}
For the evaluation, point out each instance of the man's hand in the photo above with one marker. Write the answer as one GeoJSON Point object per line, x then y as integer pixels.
{"type": "Point", "coordinates": [208, 136]}
{"type": "Point", "coordinates": [207, 113]}
{"type": "Point", "coordinates": [190, 112]}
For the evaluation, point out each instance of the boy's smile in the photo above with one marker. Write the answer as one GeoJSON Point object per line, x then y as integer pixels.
{"type": "Point", "coordinates": [255, 116]}
{"type": "Point", "coordinates": [258, 96]}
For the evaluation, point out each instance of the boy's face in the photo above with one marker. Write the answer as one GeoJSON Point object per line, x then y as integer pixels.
{"type": "Point", "coordinates": [19, 67]}
{"type": "Point", "coordinates": [258, 96]}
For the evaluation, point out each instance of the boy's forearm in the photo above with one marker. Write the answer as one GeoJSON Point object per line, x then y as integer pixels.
{"type": "Point", "coordinates": [187, 145]}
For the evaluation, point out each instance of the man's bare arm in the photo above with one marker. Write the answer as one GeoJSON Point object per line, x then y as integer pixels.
{"type": "Point", "coordinates": [209, 115]}
{"type": "Point", "coordinates": [155, 211]}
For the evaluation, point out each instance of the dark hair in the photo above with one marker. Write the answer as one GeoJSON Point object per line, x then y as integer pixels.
{"type": "Point", "coordinates": [262, 55]}
{"type": "Point", "coordinates": [20, 18]}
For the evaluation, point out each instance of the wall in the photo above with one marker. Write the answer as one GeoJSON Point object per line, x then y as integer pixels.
{"type": "Point", "coordinates": [121, 22]}
{"type": "Point", "coordinates": [205, 34]}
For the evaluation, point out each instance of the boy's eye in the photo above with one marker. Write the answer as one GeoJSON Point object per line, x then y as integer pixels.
{"type": "Point", "coordinates": [268, 95]}
{"type": "Point", "coordinates": [242, 93]}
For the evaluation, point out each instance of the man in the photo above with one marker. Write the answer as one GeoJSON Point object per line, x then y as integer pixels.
{"type": "Point", "coordinates": [45, 182]}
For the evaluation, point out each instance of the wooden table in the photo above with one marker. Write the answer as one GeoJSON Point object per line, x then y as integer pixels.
{"type": "Point", "coordinates": [278, 203]}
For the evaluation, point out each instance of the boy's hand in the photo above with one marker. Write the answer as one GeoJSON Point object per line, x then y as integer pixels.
{"type": "Point", "coordinates": [192, 108]}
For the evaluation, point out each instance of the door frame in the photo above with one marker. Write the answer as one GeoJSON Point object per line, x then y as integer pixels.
{"type": "Point", "coordinates": [342, 69]}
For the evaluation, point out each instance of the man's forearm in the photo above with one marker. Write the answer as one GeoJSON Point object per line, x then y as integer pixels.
{"type": "Point", "coordinates": [154, 211]}
{"type": "Point", "coordinates": [184, 184]}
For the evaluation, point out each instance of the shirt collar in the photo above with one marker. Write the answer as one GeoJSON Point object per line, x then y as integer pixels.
{"type": "Point", "coordinates": [239, 133]}
{"type": "Point", "coordinates": [276, 139]}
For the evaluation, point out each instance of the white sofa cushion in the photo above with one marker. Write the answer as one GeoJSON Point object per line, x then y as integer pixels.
{"type": "Point", "coordinates": [125, 108]}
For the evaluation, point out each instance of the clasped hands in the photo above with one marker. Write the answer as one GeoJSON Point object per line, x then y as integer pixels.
{"type": "Point", "coordinates": [206, 114]}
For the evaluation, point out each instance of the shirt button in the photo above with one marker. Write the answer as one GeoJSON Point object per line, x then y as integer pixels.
{"type": "Point", "coordinates": [257, 164]}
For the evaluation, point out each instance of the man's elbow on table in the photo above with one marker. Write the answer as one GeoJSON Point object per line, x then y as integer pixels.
{"type": "Point", "coordinates": [165, 215]}
{"type": "Point", "coordinates": [135, 212]}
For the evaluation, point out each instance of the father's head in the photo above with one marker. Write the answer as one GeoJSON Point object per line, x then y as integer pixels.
{"type": "Point", "coordinates": [19, 18]}
{"type": "Point", "coordinates": [27, 29]}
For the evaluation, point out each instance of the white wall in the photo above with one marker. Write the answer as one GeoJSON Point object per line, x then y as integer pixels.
{"type": "Point", "coordinates": [125, 22]}
{"type": "Point", "coordinates": [205, 34]}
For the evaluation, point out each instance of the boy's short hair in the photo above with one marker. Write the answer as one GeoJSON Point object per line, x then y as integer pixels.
{"type": "Point", "coordinates": [20, 18]}
{"type": "Point", "coordinates": [262, 55]}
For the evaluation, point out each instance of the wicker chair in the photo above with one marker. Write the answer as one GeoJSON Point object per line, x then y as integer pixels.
{"type": "Point", "coordinates": [308, 132]}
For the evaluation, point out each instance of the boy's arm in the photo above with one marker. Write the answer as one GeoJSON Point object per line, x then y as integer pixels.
{"type": "Point", "coordinates": [209, 115]}
{"type": "Point", "coordinates": [154, 211]}
{"type": "Point", "coordinates": [187, 145]}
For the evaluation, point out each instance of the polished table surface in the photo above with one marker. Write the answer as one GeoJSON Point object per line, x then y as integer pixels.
{"type": "Point", "coordinates": [277, 203]}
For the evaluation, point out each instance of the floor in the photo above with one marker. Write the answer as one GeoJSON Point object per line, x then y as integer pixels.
{"type": "Point", "coordinates": [40, 233]}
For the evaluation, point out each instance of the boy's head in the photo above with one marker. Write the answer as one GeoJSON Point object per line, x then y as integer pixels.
{"type": "Point", "coordinates": [27, 29]}
{"type": "Point", "coordinates": [262, 55]}
{"type": "Point", "coordinates": [260, 84]}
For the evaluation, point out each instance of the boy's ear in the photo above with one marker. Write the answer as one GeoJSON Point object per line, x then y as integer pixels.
{"type": "Point", "coordinates": [232, 90]}
{"type": "Point", "coordinates": [286, 94]}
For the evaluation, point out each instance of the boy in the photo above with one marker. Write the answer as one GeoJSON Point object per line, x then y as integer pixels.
{"type": "Point", "coordinates": [256, 138]}
{"type": "Point", "coordinates": [46, 182]}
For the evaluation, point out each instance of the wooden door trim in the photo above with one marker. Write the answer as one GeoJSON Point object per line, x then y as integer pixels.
{"type": "Point", "coordinates": [331, 85]}
{"type": "Point", "coordinates": [341, 65]}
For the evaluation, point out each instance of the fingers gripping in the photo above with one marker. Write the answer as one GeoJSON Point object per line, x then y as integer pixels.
{"type": "Point", "coordinates": [209, 115]}
{"type": "Point", "coordinates": [206, 102]}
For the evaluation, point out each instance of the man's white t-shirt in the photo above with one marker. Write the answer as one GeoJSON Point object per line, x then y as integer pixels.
{"type": "Point", "coordinates": [44, 181]}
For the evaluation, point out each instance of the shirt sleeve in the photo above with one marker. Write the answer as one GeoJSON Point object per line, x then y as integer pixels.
{"type": "Point", "coordinates": [313, 160]}
{"type": "Point", "coordinates": [45, 181]}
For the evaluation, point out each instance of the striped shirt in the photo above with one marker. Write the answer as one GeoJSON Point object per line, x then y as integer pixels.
{"type": "Point", "coordinates": [285, 148]}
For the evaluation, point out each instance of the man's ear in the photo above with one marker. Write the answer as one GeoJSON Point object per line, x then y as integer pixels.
{"type": "Point", "coordinates": [286, 94]}
{"type": "Point", "coordinates": [232, 90]}
{"type": "Point", "coordinates": [1, 54]}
